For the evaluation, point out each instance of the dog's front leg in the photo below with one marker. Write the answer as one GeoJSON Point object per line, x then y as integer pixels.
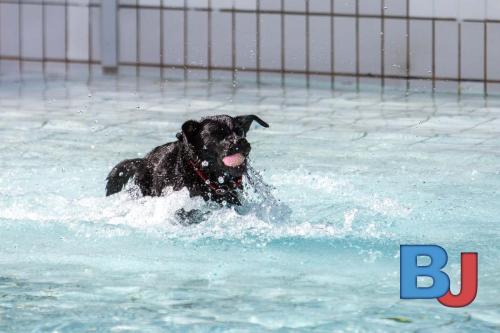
{"type": "Point", "coordinates": [193, 216]}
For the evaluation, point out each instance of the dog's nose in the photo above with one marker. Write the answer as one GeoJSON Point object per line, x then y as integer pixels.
{"type": "Point", "coordinates": [242, 145]}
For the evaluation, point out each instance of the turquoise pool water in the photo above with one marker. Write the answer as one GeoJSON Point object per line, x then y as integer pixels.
{"type": "Point", "coordinates": [353, 176]}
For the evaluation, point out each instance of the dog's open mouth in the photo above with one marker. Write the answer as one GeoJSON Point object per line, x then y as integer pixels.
{"type": "Point", "coordinates": [234, 160]}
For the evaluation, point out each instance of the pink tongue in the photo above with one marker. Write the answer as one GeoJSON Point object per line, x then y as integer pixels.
{"type": "Point", "coordinates": [233, 160]}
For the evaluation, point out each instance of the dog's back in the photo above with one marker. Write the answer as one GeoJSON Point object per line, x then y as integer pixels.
{"type": "Point", "coordinates": [121, 173]}
{"type": "Point", "coordinates": [152, 173]}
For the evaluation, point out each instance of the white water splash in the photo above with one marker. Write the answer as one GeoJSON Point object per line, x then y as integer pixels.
{"type": "Point", "coordinates": [262, 217]}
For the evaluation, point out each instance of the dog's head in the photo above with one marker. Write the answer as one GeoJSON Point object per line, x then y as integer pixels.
{"type": "Point", "coordinates": [219, 142]}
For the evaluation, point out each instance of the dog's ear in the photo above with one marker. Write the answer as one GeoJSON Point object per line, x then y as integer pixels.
{"type": "Point", "coordinates": [246, 121]}
{"type": "Point", "coordinates": [189, 130]}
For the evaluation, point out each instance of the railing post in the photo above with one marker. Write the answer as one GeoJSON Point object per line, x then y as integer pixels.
{"type": "Point", "coordinates": [109, 36]}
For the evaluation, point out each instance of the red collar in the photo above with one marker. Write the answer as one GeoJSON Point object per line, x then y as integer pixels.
{"type": "Point", "coordinates": [220, 190]}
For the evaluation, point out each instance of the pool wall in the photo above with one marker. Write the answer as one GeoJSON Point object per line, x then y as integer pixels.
{"type": "Point", "coordinates": [451, 46]}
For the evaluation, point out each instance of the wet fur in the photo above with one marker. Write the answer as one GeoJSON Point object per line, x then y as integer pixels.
{"type": "Point", "coordinates": [171, 165]}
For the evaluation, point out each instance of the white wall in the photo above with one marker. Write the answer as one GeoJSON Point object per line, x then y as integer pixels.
{"type": "Point", "coordinates": [200, 38]}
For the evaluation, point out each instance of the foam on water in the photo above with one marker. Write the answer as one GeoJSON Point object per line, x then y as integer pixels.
{"type": "Point", "coordinates": [262, 215]}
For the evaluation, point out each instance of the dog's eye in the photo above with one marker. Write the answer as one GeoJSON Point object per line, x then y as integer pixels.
{"type": "Point", "coordinates": [239, 131]}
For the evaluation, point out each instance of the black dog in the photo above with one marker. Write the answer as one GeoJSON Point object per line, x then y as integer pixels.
{"type": "Point", "coordinates": [208, 158]}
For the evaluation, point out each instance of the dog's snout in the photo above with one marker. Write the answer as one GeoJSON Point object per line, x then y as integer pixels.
{"type": "Point", "coordinates": [240, 144]}
{"type": "Point", "coordinates": [243, 145]}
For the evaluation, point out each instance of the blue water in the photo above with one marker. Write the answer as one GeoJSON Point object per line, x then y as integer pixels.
{"type": "Point", "coordinates": [350, 176]}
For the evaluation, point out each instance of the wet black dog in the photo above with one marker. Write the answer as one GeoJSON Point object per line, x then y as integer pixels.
{"type": "Point", "coordinates": [209, 158]}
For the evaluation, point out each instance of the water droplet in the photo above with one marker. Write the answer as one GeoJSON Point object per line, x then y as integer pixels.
{"type": "Point", "coordinates": [207, 181]}
{"type": "Point", "coordinates": [120, 174]}
{"type": "Point", "coordinates": [204, 163]}
{"type": "Point", "coordinates": [220, 180]}
{"type": "Point", "coordinates": [224, 203]}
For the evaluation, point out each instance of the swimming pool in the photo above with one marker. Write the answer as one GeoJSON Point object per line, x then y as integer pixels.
{"type": "Point", "coordinates": [353, 176]}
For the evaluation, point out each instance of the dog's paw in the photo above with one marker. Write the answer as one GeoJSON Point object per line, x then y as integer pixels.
{"type": "Point", "coordinates": [194, 216]}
